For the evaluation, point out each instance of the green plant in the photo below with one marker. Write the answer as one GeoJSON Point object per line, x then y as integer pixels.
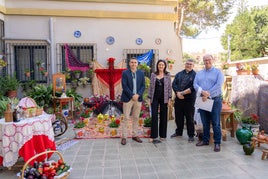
{"type": "Point", "coordinates": [79, 124]}
{"type": "Point", "coordinates": [87, 112]}
{"type": "Point", "coordinates": [3, 104]}
{"type": "Point", "coordinates": [251, 119]}
{"type": "Point", "coordinates": [72, 93]}
{"type": "Point", "coordinates": [114, 123]}
{"type": "Point", "coordinates": [28, 86]}
{"type": "Point", "coordinates": [147, 122]}
{"type": "Point", "coordinates": [42, 95]}
{"type": "Point", "coordinates": [3, 63]}
{"type": "Point", "coordinates": [76, 71]}
{"type": "Point", "coordinates": [10, 83]}
{"type": "Point", "coordinates": [237, 115]}
{"type": "Point", "coordinates": [225, 66]}
{"type": "Point", "coordinates": [254, 66]}
{"type": "Point", "coordinates": [144, 67]}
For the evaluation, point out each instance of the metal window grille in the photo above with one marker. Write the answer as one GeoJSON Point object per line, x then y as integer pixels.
{"type": "Point", "coordinates": [2, 45]}
{"type": "Point", "coordinates": [83, 52]}
{"type": "Point", "coordinates": [23, 56]}
{"type": "Point", "coordinates": [129, 53]}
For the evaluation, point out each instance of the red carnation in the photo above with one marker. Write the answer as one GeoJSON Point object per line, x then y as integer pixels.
{"type": "Point", "coordinates": [117, 121]}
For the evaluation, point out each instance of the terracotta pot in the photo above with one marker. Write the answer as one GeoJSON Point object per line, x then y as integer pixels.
{"type": "Point", "coordinates": [12, 94]}
{"type": "Point", "coordinates": [255, 72]}
{"type": "Point", "coordinates": [243, 72]}
{"type": "Point", "coordinates": [79, 132]}
{"type": "Point", "coordinates": [27, 74]}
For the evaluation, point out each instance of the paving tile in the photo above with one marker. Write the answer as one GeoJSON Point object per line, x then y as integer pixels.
{"type": "Point", "coordinates": [174, 158]}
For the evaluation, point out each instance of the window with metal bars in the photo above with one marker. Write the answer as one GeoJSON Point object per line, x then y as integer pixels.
{"type": "Point", "coordinates": [2, 47]}
{"type": "Point", "coordinates": [32, 58]}
{"type": "Point", "coordinates": [129, 53]}
{"type": "Point", "coordinates": [83, 52]}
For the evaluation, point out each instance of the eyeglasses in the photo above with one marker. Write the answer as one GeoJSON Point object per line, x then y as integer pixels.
{"type": "Point", "coordinates": [189, 64]}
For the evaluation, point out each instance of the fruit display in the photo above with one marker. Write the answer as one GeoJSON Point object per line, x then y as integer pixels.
{"type": "Point", "coordinates": [45, 170]}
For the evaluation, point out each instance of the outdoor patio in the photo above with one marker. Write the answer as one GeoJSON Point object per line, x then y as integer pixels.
{"type": "Point", "coordinates": [173, 158]}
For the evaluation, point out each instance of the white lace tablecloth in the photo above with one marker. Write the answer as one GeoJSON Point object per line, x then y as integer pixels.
{"type": "Point", "coordinates": [14, 135]}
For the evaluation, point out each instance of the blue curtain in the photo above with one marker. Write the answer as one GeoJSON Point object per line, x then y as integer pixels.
{"type": "Point", "coordinates": [146, 58]}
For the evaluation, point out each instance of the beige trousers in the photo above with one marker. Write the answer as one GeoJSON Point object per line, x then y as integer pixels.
{"type": "Point", "coordinates": [131, 108]}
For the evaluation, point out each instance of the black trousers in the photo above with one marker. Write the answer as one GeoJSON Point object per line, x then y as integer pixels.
{"type": "Point", "coordinates": [163, 118]}
{"type": "Point", "coordinates": [184, 108]}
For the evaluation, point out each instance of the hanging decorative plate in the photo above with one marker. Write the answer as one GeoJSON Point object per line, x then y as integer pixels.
{"type": "Point", "coordinates": [77, 34]}
{"type": "Point", "coordinates": [110, 40]}
{"type": "Point", "coordinates": [158, 41]}
{"type": "Point", "coordinates": [139, 41]}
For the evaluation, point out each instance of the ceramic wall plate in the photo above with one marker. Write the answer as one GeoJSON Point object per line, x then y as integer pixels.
{"type": "Point", "coordinates": [110, 40]}
{"type": "Point", "coordinates": [77, 34]}
{"type": "Point", "coordinates": [158, 41]}
{"type": "Point", "coordinates": [139, 41]}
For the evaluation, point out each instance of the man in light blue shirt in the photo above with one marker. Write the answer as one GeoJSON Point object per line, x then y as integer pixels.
{"type": "Point", "coordinates": [208, 83]}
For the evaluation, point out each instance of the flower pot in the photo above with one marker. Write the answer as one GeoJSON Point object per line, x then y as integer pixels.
{"type": "Point", "coordinates": [253, 127]}
{"type": "Point", "coordinates": [255, 72]}
{"type": "Point", "coordinates": [147, 131]}
{"type": "Point", "coordinates": [79, 132]}
{"type": "Point", "coordinates": [12, 94]}
{"type": "Point", "coordinates": [114, 132]}
{"type": "Point", "coordinates": [226, 72]}
{"type": "Point", "coordinates": [243, 72]}
{"type": "Point", "coordinates": [27, 74]}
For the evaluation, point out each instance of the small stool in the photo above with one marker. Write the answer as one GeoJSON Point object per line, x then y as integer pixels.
{"type": "Point", "coordinates": [264, 154]}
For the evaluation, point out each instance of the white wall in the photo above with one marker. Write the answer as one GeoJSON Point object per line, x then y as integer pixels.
{"type": "Point", "coordinates": [96, 31]}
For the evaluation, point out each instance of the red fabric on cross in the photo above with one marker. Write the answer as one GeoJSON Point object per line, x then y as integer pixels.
{"type": "Point", "coordinates": [110, 77]}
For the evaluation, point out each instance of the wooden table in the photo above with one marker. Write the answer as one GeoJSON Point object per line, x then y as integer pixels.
{"type": "Point", "coordinates": [225, 114]}
{"type": "Point", "coordinates": [25, 138]}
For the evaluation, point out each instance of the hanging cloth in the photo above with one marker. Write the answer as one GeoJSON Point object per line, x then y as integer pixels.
{"type": "Point", "coordinates": [146, 58]}
{"type": "Point", "coordinates": [72, 62]}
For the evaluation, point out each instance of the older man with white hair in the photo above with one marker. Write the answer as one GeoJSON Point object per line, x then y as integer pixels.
{"type": "Point", "coordinates": [208, 82]}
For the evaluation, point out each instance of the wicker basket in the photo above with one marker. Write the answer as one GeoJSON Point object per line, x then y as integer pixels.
{"type": "Point", "coordinates": [39, 111]}
{"type": "Point", "coordinates": [62, 176]}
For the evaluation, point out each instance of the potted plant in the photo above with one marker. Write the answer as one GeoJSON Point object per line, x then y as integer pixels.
{"type": "Point", "coordinates": [87, 112]}
{"type": "Point", "coordinates": [27, 72]}
{"type": "Point", "coordinates": [114, 124]}
{"type": "Point", "coordinates": [225, 68]}
{"type": "Point", "coordinates": [10, 86]}
{"type": "Point", "coordinates": [42, 95]}
{"type": "Point", "coordinates": [255, 68]}
{"type": "Point", "coordinates": [3, 63]}
{"type": "Point", "coordinates": [144, 67]}
{"type": "Point", "coordinates": [77, 73]}
{"type": "Point", "coordinates": [79, 128]}
{"type": "Point", "coordinates": [3, 104]}
{"type": "Point", "coordinates": [147, 123]}
{"type": "Point", "coordinates": [83, 81]}
{"type": "Point", "coordinates": [242, 69]}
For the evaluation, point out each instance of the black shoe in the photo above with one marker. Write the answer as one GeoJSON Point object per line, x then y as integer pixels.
{"type": "Point", "coordinates": [174, 135]}
{"type": "Point", "coordinates": [123, 141]}
{"type": "Point", "coordinates": [155, 141]}
{"type": "Point", "coordinates": [217, 148]}
{"type": "Point", "coordinates": [201, 143]}
{"type": "Point", "coordinates": [191, 139]}
{"type": "Point", "coordinates": [137, 139]}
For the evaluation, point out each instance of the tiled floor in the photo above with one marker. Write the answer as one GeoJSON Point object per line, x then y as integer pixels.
{"type": "Point", "coordinates": [173, 158]}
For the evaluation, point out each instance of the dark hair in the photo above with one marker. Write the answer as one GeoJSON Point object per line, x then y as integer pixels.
{"type": "Point", "coordinates": [165, 69]}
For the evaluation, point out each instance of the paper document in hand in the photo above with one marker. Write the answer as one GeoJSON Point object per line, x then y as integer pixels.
{"type": "Point", "coordinates": [200, 104]}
